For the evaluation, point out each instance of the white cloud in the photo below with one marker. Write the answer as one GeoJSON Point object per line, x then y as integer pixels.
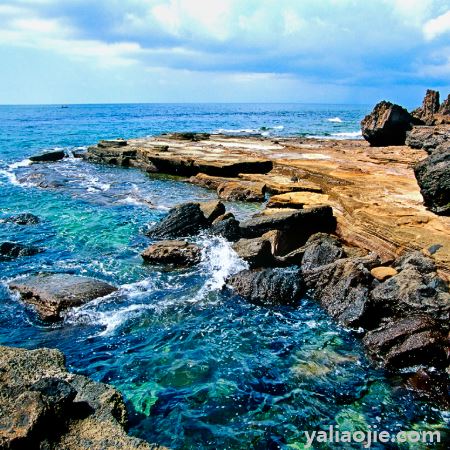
{"type": "Point", "coordinates": [437, 26]}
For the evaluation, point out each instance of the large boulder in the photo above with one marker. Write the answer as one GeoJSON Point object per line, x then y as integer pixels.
{"type": "Point", "coordinates": [226, 226]}
{"type": "Point", "coordinates": [433, 176]}
{"type": "Point", "coordinates": [416, 289]}
{"type": "Point", "coordinates": [268, 286]}
{"type": "Point", "coordinates": [414, 340]}
{"type": "Point", "coordinates": [176, 253]}
{"type": "Point", "coordinates": [212, 210]}
{"type": "Point", "coordinates": [243, 191]}
{"type": "Point", "coordinates": [257, 252]}
{"type": "Point", "coordinates": [430, 106]}
{"type": "Point", "coordinates": [44, 406]}
{"type": "Point", "coordinates": [52, 294]}
{"type": "Point", "coordinates": [183, 220]}
{"type": "Point", "coordinates": [10, 250]}
{"type": "Point", "coordinates": [343, 289]}
{"type": "Point", "coordinates": [56, 155]}
{"type": "Point", "coordinates": [386, 125]}
{"type": "Point", "coordinates": [23, 219]}
{"type": "Point", "coordinates": [321, 249]}
{"type": "Point", "coordinates": [297, 225]}
{"type": "Point", "coordinates": [428, 138]}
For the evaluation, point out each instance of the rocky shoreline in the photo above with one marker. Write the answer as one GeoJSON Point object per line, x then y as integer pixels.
{"type": "Point", "coordinates": [362, 229]}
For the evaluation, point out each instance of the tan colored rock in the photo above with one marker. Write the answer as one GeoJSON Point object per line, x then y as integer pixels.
{"type": "Point", "coordinates": [280, 184]}
{"type": "Point", "coordinates": [297, 200]}
{"type": "Point", "coordinates": [177, 253]}
{"type": "Point", "coordinates": [382, 273]}
{"type": "Point", "coordinates": [243, 191]}
{"type": "Point", "coordinates": [212, 210]}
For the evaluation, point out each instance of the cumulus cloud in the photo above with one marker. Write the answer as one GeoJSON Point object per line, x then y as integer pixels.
{"type": "Point", "coordinates": [345, 42]}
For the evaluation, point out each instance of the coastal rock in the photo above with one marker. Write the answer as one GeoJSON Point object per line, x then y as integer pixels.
{"type": "Point", "coordinates": [444, 109]}
{"type": "Point", "coordinates": [382, 273]}
{"type": "Point", "coordinates": [51, 294]}
{"type": "Point", "coordinates": [208, 181]}
{"type": "Point", "coordinates": [188, 136]}
{"type": "Point", "coordinates": [226, 226]}
{"type": "Point", "coordinates": [177, 253]}
{"type": "Point", "coordinates": [113, 143]}
{"type": "Point", "coordinates": [277, 183]}
{"type": "Point", "coordinates": [23, 219]}
{"type": "Point", "coordinates": [429, 108]}
{"type": "Point", "coordinates": [433, 177]}
{"type": "Point", "coordinates": [244, 191]}
{"type": "Point", "coordinates": [183, 220]}
{"type": "Point", "coordinates": [44, 406]}
{"type": "Point", "coordinates": [268, 286]}
{"type": "Point", "coordinates": [212, 210]}
{"type": "Point", "coordinates": [257, 252]}
{"type": "Point", "coordinates": [297, 200]}
{"type": "Point", "coordinates": [428, 138]}
{"type": "Point", "coordinates": [321, 249]}
{"type": "Point", "coordinates": [415, 289]}
{"type": "Point", "coordinates": [57, 155]}
{"type": "Point", "coordinates": [409, 341]}
{"type": "Point", "coordinates": [297, 225]}
{"type": "Point", "coordinates": [386, 125]}
{"type": "Point", "coordinates": [12, 250]}
{"type": "Point", "coordinates": [343, 289]}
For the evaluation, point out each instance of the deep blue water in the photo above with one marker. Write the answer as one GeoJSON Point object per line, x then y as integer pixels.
{"type": "Point", "coordinates": [199, 368]}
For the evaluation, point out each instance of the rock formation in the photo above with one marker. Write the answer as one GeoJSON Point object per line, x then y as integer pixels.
{"type": "Point", "coordinates": [52, 294]}
{"type": "Point", "coordinates": [56, 155]}
{"type": "Point", "coordinates": [430, 106]}
{"type": "Point", "coordinates": [176, 253]}
{"type": "Point", "coordinates": [23, 219]}
{"type": "Point", "coordinates": [44, 406]}
{"type": "Point", "coordinates": [386, 125]}
{"type": "Point", "coordinates": [10, 250]}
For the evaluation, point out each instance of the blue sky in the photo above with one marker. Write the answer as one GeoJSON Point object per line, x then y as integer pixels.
{"type": "Point", "coordinates": [336, 51]}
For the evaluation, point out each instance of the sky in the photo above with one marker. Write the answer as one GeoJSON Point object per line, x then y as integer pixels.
{"type": "Point", "coordinates": [306, 51]}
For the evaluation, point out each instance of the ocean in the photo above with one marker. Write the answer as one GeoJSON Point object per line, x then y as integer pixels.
{"type": "Point", "coordinates": [199, 368]}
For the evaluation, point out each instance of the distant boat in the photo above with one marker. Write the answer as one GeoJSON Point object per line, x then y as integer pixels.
{"type": "Point", "coordinates": [64, 106]}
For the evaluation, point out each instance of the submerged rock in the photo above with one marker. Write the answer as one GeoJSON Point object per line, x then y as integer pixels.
{"type": "Point", "coordinates": [268, 286]}
{"type": "Point", "coordinates": [386, 125]}
{"type": "Point", "coordinates": [44, 406]}
{"type": "Point", "coordinates": [23, 219]}
{"type": "Point", "coordinates": [16, 250]}
{"type": "Point", "coordinates": [433, 176]}
{"type": "Point", "coordinates": [177, 253]}
{"type": "Point", "coordinates": [51, 294]}
{"type": "Point", "coordinates": [183, 220]}
{"type": "Point", "coordinates": [49, 156]}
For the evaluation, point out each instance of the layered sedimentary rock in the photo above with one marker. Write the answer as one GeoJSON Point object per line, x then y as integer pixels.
{"type": "Point", "coordinates": [42, 405]}
{"type": "Point", "coordinates": [429, 108]}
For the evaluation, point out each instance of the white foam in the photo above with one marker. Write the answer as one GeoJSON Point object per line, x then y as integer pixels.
{"type": "Point", "coordinates": [350, 134]}
{"type": "Point", "coordinates": [23, 163]}
{"type": "Point", "coordinates": [335, 119]}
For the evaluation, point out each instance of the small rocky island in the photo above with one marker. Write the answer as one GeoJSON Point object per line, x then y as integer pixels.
{"type": "Point", "coordinates": [363, 227]}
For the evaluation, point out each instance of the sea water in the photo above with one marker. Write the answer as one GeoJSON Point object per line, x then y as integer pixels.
{"type": "Point", "coordinates": [198, 367]}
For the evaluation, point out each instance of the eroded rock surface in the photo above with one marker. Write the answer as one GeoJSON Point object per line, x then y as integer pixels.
{"type": "Point", "coordinates": [51, 294]}
{"type": "Point", "coordinates": [44, 406]}
{"type": "Point", "coordinates": [12, 250]}
{"type": "Point", "coordinates": [177, 253]}
{"type": "Point", "coordinates": [23, 219]}
{"type": "Point", "coordinates": [49, 156]}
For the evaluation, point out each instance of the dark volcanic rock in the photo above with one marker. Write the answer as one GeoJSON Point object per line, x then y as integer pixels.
{"type": "Point", "coordinates": [177, 253]}
{"type": "Point", "coordinates": [51, 294]}
{"type": "Point", "coordinates": [428, 138]}
{"type": "Point", "coordinates": [49, 156]}
{"type": "Point", "coordinates": [115, 152]}
{"type": "Point", "coordinates": [409, 341]}
{"type": "Point", "coordinates": [189, 136]}
{"type": "Point", "coordinates": [23, 219]}
{"type": "Point", "coordinates": [321, 249]}
{"type": "Point", "coordinates": [343, 289]}
{"type": "Point", "coordinates": [227, 226]}
{"type": "Point", "coordinates": [297, 225]}
{"type": "Point", "coordinates": [183, 220]}
{"type": "Point", "coordinates": [16, 250]}
{"type": "Point", "coordinates": [415, 289]}
{"type": "Point", "coordinates": [268, 286]}
{"type": "Point", "coordinates": [429, 108]}
{"type": "Point", "coordinates": [44, 406]}
{"type": "Point", "coordinates": [386, 125]}
{"type": "Point", "coordinates": [433, 177]}
{"type": "Point", "coordinates": [257, 251]}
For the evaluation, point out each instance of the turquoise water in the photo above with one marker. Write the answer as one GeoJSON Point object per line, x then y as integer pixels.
{"type": "Point", "coordinates": [199, 367]}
